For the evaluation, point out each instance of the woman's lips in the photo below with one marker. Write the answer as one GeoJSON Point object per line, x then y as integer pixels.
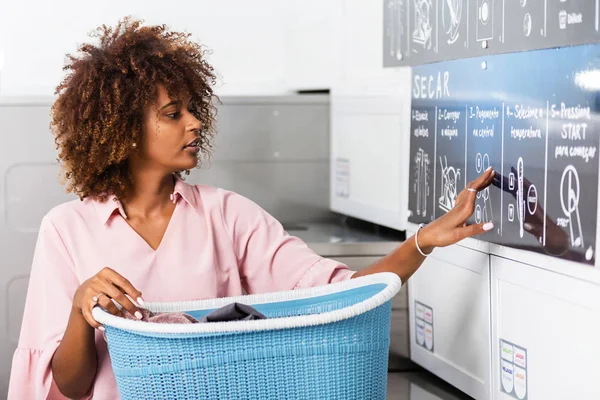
{"type": "Point", "coordinates": [192, 149]}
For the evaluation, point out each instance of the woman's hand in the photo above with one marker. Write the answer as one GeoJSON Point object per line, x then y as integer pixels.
{"type": "Point", "coordinates": [102, 288]}
{"type": "Point", "coordinates": [452, 227]}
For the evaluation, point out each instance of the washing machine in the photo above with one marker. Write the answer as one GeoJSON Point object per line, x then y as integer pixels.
{"type": "Point", "coordinates": [369, 146]}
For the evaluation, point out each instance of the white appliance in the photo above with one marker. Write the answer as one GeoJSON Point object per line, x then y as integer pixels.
{"type": "Point", "coordinates": [449, 314]}
{"type": "Point", "coordinates": [370, 147]}
{"type": "Point", "coordinates": [545, 328]}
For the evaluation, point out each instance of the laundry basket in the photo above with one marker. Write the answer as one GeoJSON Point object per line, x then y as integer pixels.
{"type": "Point", "coordinates": [328, 342]}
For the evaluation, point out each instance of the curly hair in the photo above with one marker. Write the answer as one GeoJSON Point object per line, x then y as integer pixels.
{"type": "Point", "coordinates": [98, 114]}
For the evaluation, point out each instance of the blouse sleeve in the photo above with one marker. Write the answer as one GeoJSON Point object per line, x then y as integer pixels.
{"type": "Point", "coordinates": [52, 285]}
{"type": "Point", "coordinates": [269, 259]}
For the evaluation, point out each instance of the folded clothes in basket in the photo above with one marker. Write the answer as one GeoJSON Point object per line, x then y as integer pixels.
{"type": "Point", "coordinates": [230, 312]}
{"type": "Point", "coordinates": [233, 312]}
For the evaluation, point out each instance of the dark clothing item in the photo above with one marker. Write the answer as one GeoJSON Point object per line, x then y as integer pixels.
{"type": "Point", "coordinates": [233, 312]}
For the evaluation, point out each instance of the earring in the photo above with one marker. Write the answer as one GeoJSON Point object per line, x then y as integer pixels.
{"type": "Point", "coordinates": [134, 145]}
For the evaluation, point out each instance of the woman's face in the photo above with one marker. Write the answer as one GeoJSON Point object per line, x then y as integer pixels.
{"type": "Point", "coordinates": [170, 134]}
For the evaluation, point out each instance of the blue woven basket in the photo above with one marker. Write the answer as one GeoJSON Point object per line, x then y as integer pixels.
{"type": "Point", "coordinates": [328, 342]}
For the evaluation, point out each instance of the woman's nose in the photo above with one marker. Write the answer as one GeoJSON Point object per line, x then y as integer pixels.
{"type": "Point", "coordinates": [194, 124]}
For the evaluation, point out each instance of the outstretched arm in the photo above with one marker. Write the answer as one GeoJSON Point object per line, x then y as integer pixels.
{"type": "Point", "coordinates": [444, 231]}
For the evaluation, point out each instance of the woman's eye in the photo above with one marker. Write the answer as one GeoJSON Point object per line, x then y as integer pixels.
{"type": "Point", "coordinates": [173, 115]}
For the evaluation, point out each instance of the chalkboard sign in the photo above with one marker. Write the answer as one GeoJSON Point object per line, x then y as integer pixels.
{"type": "Point", "coordinates": [423, 31]}
{"type": "Point", "coordinates": [532, 116]}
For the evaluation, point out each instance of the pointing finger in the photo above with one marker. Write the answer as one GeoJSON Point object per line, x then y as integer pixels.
{"type": "Point", "coordinates": [475, 229]}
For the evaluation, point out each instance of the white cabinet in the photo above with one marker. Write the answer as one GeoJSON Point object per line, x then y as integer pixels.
{"type": "Point", "coordinates": [449, 303]}
{"type": "Point", "coordinates": [502, 329]}
{"type": "Point", "coordinates": [545, 331]}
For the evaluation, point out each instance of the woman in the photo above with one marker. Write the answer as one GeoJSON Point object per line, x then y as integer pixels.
{"type": "Point", "coordinates": [133, 114]}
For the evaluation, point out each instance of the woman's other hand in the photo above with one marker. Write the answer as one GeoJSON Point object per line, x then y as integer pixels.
{"type": "Point", "coordinates": [101, 289]}
{"type": "Point", "coordinates": [452, 227]}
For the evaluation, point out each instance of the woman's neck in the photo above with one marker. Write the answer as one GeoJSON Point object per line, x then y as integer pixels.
{"type": "Point", "coordinates": [150, 194]}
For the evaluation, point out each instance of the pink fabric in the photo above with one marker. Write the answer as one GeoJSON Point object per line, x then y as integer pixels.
{"type": "Point", "coordinates": [217, 244]}
{"type": "Point", "coordinates": [162, 318]}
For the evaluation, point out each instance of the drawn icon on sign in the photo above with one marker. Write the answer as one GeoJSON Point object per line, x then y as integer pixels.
{"type": "Point", "coordinates": [484, 12]}
{"type": "Point", "coordinates": [569, 201]}
{"type": "Point", "coordinates": [477, 214]}
{"type": "Point", "coordinates": [421, 186]}
{"type": "Point", "coordinates": [562, 19]}
{"type": "Point", "coordinates": [485, 19]}
{"type": "Point", "coordinates": [478, 163]}
{"type": "Point", "coordinates": [527, 24]}
{"type": "Point", "coordinates": [520, 196]}
{"type": "Point", "coordinates": [394, 30]}
{"type": "Point", "coordinates": [449, 183]}
{"type": "Point", "coordinates": [482, 163]}
{"type": "Point", "coordinates": [511, 212]}
{"type": "Point", "coordinates": [511, 181]}
{"type": "Point", "coordinates": [532, 200]}
{"type": "Point", "coordinates": [488, 215]}
{"type": "Point", "coordinates": [451, 17]}
{"type": "Point", "coordinates": [422, 21]}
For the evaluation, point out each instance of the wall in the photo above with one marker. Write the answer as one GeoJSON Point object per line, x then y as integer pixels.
{"type": "Point", "coordinates": [259, 47]}
{"type": "Point", "coordinates": [245, 36]}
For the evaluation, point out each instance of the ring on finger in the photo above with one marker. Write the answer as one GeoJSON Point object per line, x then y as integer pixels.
{"type": "Point", "coordinates": [97, 297]}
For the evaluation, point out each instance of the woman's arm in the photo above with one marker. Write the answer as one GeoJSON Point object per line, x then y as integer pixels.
{"type": "Point", "coordinates": [444, 231]}
{"type": "Point", "coordinates": [404, 261]}
{"type": "Point", "coordinates": [75, 363]}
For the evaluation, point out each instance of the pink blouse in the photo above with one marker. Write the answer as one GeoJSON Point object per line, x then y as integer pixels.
{"type": "Point", "coordinates": [217, 244]}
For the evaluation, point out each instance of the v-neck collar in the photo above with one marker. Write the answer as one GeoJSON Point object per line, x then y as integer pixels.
{"type": "Point", "coordinates": [108, 208]}
{"type": "Point", "coordinates": [163, 239]}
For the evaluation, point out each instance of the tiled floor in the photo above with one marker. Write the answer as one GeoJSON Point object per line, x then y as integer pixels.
{"type": "Point", "coordinates": [420, 386]}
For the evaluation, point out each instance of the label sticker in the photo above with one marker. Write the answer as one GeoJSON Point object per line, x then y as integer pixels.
{"type": "Point", "coordinates": [506, 351]}
{"type": "Point", "coordinates": [424, 326]}
{"type": "Point", "coordinates": [513, 370]}
{"type": "Point", "coordinates": [428, 316]}
{"type": "Point", "coordinates": [507, 375]}
{"type": "Point", "coordinates": [520, 383]}
{"type": "Point", "coordinates": [520, 358]}
{"type": "Point", "coordinates": [429, 337]}
{"type": "Point", "coordinates": [420, 310]}
{"type": "Point", "coordinates": [342, 178]}
{"type": "Point", "coordinates": [420, 332]}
